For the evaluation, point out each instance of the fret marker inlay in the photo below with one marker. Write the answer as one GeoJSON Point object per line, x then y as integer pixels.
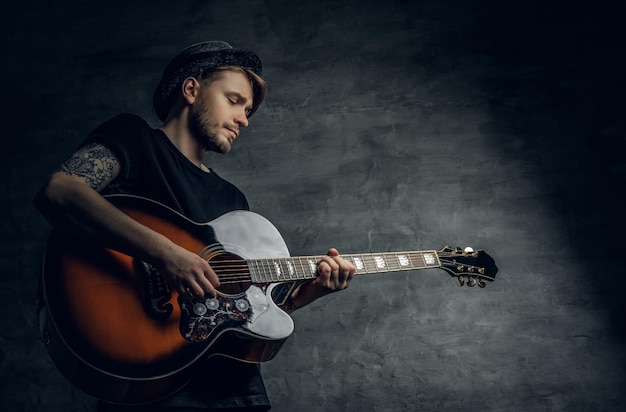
{"type": "Point", "coordinates": [429, 258]}
{"type": "Point", "coordinates": [404, 260]}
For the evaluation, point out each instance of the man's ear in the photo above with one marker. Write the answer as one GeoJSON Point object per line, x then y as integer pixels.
{"type": "Point", "coordinates": [190, 89]}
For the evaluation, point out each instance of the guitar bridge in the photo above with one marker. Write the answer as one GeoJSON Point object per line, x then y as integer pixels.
{"type": "Point", "coordinates": [154, 292]}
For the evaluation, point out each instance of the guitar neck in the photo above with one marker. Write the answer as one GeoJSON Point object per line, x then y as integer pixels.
{"type": "Point", "coordinates": [305, 267]}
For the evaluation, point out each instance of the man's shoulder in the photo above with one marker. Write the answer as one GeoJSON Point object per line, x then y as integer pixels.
{"type": "Point", "coordinates": [122, 126]}
{"type": "Point", "coordinates": [128, 119]}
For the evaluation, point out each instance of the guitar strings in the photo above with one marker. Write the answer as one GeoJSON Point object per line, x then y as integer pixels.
{"type": "Point", "coordinates": [231, 271]}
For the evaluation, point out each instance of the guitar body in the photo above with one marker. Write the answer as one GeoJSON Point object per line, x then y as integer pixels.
{"type": "Point", "coordinates": [116, 332]}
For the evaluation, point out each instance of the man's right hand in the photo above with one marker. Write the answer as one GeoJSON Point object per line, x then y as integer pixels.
{"type": "Point", "coordinates": [188, 273]}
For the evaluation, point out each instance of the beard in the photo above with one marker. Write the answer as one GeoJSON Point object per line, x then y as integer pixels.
{"type": "Point", "coordinates": [201, 124]}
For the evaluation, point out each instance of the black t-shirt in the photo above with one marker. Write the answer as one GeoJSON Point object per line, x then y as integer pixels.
{"type": "Point", "coordinates": [152, 167]}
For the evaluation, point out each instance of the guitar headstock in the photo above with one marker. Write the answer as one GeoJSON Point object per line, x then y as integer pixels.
{"type": "Point", "coordinates": [469, 266]}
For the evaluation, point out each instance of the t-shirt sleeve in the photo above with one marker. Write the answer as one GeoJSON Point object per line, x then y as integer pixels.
{"type": "Point", "coordinates": [120, 134]}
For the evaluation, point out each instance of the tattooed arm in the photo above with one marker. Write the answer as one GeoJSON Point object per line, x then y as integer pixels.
{"type": "Point", "coordinates": [71, 202]}
{"type": "Point", "coordinates": [94, 163]}
{"type": "Point", "coordinates": [76, 184]}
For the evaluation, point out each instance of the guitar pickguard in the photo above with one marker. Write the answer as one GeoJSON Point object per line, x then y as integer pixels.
{"type": "Point", "coordinates": [201, 319]}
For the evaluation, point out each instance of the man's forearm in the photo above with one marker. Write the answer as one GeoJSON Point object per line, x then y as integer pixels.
{"type": "Point", "coordinates": [76, 208]}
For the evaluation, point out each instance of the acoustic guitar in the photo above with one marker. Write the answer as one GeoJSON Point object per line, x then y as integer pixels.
{"type": "Point", "coordinates": [117, 332]}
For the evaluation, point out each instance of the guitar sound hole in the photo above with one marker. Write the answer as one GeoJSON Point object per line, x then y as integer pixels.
{"type": "Point", "coordinates": [233, 273]}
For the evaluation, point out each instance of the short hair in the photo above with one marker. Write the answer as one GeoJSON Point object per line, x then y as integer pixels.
{"type": "Point", "coordinates": [259, 86]}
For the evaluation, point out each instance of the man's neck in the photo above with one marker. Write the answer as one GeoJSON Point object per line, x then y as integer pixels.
{"type": "Point", "coordinates": [177, 131]}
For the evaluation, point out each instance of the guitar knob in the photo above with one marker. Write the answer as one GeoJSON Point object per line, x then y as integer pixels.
{"type": "Point", "coordinates": [199, 309]}
{"type": "Point", "coordinates": [212, 303]}
{"type": "Point", "coordinates": [242, 305]}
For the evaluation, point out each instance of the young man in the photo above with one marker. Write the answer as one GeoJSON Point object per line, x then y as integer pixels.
{"type": "Point", "coordinates": [205, 98]}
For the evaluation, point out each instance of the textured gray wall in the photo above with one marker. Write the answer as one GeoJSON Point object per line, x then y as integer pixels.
{"type": "Point", "coordinates": [389, 125]}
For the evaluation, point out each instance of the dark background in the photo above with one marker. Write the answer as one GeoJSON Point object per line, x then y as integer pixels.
{"type": "Point", "coordinates": [389, 125]}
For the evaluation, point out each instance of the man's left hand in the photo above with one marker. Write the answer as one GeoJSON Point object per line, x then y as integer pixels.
{"type": "Point", "coordinates": [334, 274]}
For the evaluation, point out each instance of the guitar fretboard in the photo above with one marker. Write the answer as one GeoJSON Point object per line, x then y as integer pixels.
{"type": "Point", "coordinates": [305, 267]}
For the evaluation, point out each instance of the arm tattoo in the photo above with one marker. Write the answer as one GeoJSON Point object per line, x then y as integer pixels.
{"type": "Point", "coordinates": [93, 162]}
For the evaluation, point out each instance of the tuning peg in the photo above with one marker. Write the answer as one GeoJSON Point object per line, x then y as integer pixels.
{"type": "Point", "coordinates": [468, 250]}
{"type": "Point", "coordinates": [481, 283]}
{"type": "Point", "coordinates": [460, 281]}
{"type": "Point", "coordinates": [472, 282]}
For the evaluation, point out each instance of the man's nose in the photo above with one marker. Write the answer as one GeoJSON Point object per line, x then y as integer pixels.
{"type": "Point", "coordinates": [242, 120]}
